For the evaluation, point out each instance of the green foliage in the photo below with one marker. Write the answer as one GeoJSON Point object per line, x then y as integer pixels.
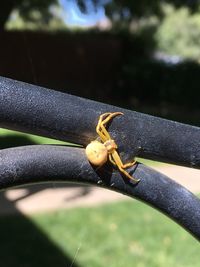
{"type": "Point", "coordinates": [176, 28]}
{"type": "Point", "coordinates": [36, 21]}
{"type": "Point", "coordinates": [28, 10]}
{"type": "Point", "coordinates": [120, 12]}
{"type": "Point", "coordinates": [179, 33]}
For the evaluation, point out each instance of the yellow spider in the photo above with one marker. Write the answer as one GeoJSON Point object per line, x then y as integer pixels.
{"type": "Point", "coordinates": [99, 152]}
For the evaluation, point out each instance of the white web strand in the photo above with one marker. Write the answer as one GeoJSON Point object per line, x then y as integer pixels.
{"type": "Point", "coordinates": [76, 254]}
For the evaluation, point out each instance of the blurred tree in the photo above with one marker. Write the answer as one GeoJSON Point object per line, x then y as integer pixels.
{"type": "Point", "coordinates": [37, 21]}
{"type": "Point", "coordinates": [184, 39]}
{"type": "Point", "coordinates": [121, 13]}
{"type": "Point", "coordinates": [25, 9]}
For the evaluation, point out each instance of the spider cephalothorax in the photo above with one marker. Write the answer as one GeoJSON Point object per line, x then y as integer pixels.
{"type": "Point", "coordinates": [110, 146]}
{"type": "Point", "coordinates": [99, 152]}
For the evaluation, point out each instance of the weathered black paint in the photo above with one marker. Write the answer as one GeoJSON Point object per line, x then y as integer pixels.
{"type": "Point", "coordinates": [45, 112]}
{"type": "Point", "coordinates": [33, 164]}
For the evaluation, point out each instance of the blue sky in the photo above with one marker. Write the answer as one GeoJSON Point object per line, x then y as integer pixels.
{"type": "Point", "coordinates": [74, 17]}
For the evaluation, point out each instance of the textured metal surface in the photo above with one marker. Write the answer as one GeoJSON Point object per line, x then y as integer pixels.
{"type": "Point", "coordinates": [49, 113]}
{"type": "Point", "coordinates": [53, 114]}
{"type": "Point", "coordinates": [32, 164]}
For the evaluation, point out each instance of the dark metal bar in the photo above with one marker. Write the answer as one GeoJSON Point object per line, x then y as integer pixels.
{"type": "Point", "coordinates": [45, 112]}
{"type": "Point", "coordinates": [33, 164]}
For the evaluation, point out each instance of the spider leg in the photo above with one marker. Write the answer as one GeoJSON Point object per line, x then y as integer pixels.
{"type": "Point", "coordinates": [116, 158]}
{"type": "Point", "coordinates": [103, 137]}
{"type": "Point", "coordinates": [100, 129]}
{"type": "Point", "coordinates": [127, 165]}
{"type": "Point", "coordinates": [111, 159]}
{"type": "Point", "coordinates": [109, 117]}
{"type": "Point", "coordinates": [103, 133]}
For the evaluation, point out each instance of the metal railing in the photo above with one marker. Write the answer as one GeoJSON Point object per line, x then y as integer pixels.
{"type": "Point", "coordinates": [33, 109]}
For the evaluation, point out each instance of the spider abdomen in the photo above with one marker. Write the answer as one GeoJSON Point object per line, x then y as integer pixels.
{"type": "Point", "coordinates": [97, 153]}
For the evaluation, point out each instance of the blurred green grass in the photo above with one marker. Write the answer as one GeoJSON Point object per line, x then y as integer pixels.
{"type": "Point", "coordinates": [9, 138]}
{"type": "Point", "coordinates": [121, 234]}
{"type": "Point", "coordinates": [127, 234]}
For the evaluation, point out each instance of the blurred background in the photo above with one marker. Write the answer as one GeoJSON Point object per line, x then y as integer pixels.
{"type": "Point", "coordinates": [141, 55]}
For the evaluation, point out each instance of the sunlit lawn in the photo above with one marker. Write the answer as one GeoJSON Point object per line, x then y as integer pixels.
{"type": "Point", "coordinates": [121, 234]}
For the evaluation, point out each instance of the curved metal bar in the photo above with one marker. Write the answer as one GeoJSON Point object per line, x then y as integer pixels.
{"type": "Point", "coordinates": [45, 112]}
{"type": "Point", "coordinates": [36, 164]}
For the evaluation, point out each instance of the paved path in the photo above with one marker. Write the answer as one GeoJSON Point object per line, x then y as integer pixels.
{"type": "Point", "coordinates": [40, 198]}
